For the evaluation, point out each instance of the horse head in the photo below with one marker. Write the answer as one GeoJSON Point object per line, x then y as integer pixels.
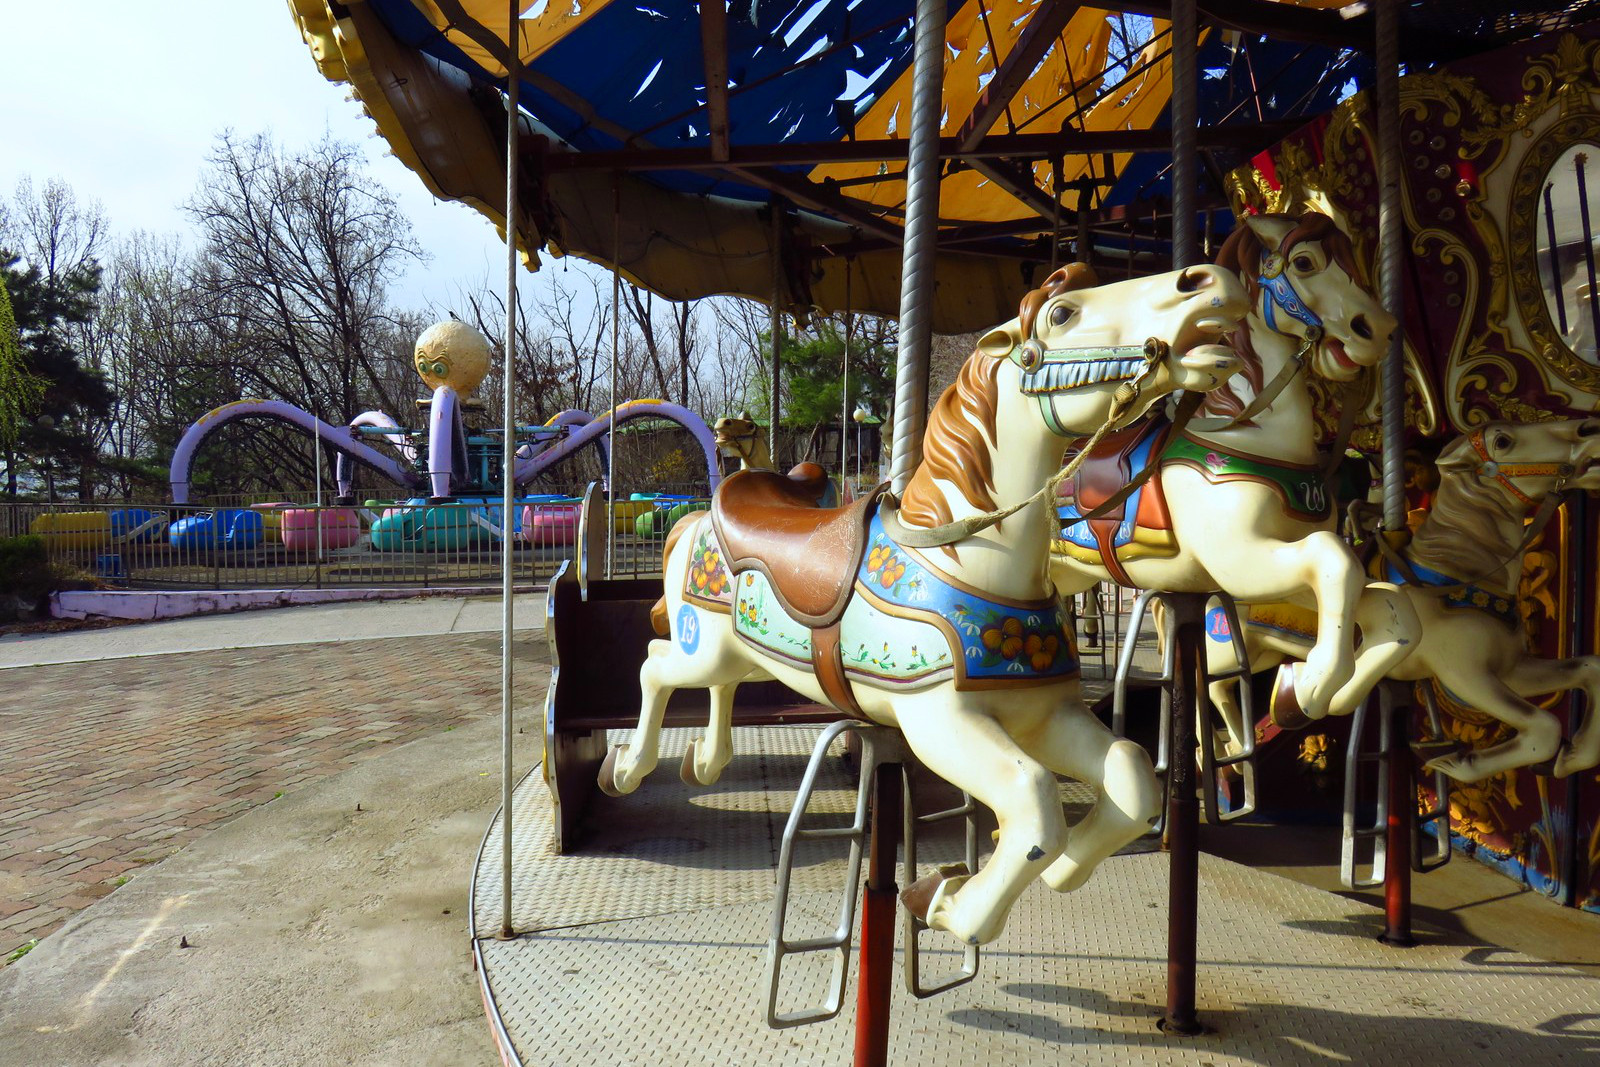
{"type": "Point", "coordinates": [1522, 463]}
{"type": "Point", "coordinates": [1075, 343]}
{"type": "Point", "coordinates": [737, 436]}
{"type": "Point", "coordinates": [1302, 276]}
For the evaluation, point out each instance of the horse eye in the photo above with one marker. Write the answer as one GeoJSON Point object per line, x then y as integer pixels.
{"type": "Point", "coordinates": [1502, 440]}
{"type": "Point", "coordinates": [1304, 263]}
{"type": "Point", "coordinates": [1060, 315]}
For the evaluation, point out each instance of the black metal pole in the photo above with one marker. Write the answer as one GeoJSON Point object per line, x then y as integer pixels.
{"type": "Point", "coordinates": [1183, 815]}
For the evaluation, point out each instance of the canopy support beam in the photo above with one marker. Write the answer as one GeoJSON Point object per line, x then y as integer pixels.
{"type": "Point", "coordinates": [714, 46]}
{"type": "Point", "coordinates": [1033, 44]}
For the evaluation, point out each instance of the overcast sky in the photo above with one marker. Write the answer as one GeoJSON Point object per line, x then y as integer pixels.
{"type": "Point", "coordinates": [123, 101]}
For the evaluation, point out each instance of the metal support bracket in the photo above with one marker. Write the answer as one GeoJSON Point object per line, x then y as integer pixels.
{"type": "Point", "coordinates": [879, 745]}
{"type": "Point", "coordinates": [1211, 764]}
{"type": "Point", "coordinates": [1393, 742]}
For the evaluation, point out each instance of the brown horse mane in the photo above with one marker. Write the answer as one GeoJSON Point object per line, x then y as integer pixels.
{"type": "Point", "coordinates": [957, 447]}
{"type": "Point", "coordinates": [1241, 253]}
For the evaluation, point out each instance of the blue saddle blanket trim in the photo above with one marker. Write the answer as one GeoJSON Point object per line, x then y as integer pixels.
{"type": "Point", "coordinates": [1473, 597]}
{"type": "Point", "coordinates": [1076, 531]}
{"type": "Point", "coordinates": [1001, 642]}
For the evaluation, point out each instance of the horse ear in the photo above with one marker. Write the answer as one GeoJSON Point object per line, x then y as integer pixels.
{"type": "Point", "coordinates": [1270, 230]}
{"type": "Point", "coordinates": [999, 341]}
{"type": "Point", "coordinates": [744, 416]}
{"type": "Point", "coordinates": [1076, 276]}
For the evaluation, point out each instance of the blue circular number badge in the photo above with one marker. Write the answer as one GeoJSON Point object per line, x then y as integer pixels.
{"type": "Point", "coordinates": [688, 629]}
{"type": "Point", "coordinates": [1217, 627]}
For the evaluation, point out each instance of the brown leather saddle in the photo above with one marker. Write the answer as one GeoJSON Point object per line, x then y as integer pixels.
{"type": "Point", "coordinates": [770, 522]}
{"type": "Point", "coordinates": [1118, 458]}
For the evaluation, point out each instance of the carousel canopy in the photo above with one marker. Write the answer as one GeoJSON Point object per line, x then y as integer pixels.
{"type": "Point", "coordinates": [757, 147]}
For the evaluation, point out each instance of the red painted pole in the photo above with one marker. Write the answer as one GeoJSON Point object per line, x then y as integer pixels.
{"type": "Point", "coordinates": [1397, 830]}
{"type": "Point", "coordinates": [1183, 818]}
{"type": "Point", "coordinates": [875, 976]}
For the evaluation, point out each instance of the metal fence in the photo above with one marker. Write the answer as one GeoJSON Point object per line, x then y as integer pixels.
{"type": "Point", "coordinates": [237, 544]}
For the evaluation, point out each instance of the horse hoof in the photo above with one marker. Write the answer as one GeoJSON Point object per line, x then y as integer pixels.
{"type": "Point", "coordinates": [1442, 748]}
{"type": "Point", "coordinates": [920, 896]}
{"type": "Point", "coordinates": [1551, 768]}
{"type": "Point", "coordinates": [607, 778]}
{"type": "Point", "coordinates": [686, 769]}
{"type": "Point", "coordinates": [1284, 708]}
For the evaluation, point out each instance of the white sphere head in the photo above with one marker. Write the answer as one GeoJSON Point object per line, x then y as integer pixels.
{"type": "Point", "coordinates": [454, 354]}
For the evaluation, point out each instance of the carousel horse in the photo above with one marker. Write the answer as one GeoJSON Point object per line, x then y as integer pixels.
{"type": "Point", "coordinates": [1239, 502]}
{"type": "Point", "coordinates": [965, 651]}
{"type": "Point", "coordinates": [1461, 573]}
{"type": "Point", "coordinates": [738, 436]}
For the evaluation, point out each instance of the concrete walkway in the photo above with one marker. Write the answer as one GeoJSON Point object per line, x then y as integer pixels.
{"type": "Point", "coordinates": [302, 815]}
{"type": "Point", "coordinates": [320, 624]}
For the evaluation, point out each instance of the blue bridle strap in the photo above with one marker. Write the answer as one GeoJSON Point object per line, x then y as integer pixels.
{"type": "Point", "coordinates": [1281, 294]}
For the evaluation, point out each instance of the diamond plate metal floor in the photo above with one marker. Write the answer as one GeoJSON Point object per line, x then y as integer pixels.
{"type": "Point", "coordinates": [649, 947]}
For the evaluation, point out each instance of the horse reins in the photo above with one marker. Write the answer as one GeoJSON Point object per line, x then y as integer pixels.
{"type": "Point", "coordinates": [1154, 352]}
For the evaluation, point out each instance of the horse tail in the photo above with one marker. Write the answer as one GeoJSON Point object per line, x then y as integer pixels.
{"type": "Point", "coordinates": [658, 611]}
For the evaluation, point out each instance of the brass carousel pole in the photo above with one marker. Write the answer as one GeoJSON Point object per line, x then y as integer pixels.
{"type": "Point", "coordinates": [1393, 703]}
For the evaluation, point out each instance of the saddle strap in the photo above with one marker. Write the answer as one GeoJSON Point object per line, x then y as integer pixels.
{"type": "Point", "coordinates": [827, 661]}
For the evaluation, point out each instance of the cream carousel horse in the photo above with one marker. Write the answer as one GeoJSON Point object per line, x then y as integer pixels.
{"type": "Point", "coordinates": [1239, 502]}
{"type": "Point", "coordinates": [1461, 573]}
{"type": "Point", "coordinates": [739, 436]}
{"type": "Point", "coordinates": [966, 650]}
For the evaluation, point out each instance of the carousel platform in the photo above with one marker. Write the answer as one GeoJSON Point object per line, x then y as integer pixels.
{"type": "Point", "coordinates": [649, 946]}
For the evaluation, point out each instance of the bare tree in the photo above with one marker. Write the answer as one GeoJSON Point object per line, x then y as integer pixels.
{"type": "Point", "coordinates": [299, 251]}
{"type": "Point", "coordinates": [52, 230]}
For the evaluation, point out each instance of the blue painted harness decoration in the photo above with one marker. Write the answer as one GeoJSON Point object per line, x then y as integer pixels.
{"type": "Point", "coordinates": [1467, 598]}
{"type": "Point", "coordinates": [1000, 642]}
{"type": "Point", "coordinates": [1281, 294]}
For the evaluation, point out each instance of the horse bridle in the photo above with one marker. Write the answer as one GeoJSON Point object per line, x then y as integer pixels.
{"type": "Point", "coordinates": [1282, 294]}
{"type": "Point", "coordinates": [1504, 472]}
{"type": "Point", "coordinates": [1047, 371]}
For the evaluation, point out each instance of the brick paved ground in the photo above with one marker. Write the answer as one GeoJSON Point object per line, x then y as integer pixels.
{"type": "Point", "coordinates": [106, 767]}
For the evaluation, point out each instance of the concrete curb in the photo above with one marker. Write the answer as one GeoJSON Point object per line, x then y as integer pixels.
{"type": "Point", "coordinates": [149, 605]}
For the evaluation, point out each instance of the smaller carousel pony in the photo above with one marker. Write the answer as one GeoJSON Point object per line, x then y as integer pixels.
{"type": "Point", "coordinates": [738, 436]}
{"type": "Point", "coordinates": [965, 650]}
{"type": "Point", "coordinates": [1239, 501]}
{"type": "Point", "coordinates": [1461, 573]}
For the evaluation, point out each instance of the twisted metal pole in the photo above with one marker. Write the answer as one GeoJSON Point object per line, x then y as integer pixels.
{"type": "Point", "coordinates": [1391, 250]}
{"type": "Point", "coordinates": [1185, 164]}
{"type": "Point", "coordinates": [921, 244]}
{"type": "Point", "coordinates": [508, 461]}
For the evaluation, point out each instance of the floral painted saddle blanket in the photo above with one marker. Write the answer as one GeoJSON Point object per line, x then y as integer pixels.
{"type": "Point", "coordinates": [905, 625]}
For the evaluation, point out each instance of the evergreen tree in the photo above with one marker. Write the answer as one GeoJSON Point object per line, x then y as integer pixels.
{"type": "Point", "coordinates": [56, 442]}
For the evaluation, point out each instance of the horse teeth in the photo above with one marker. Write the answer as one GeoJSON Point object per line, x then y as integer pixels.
{"type": "Point", "coordinates": [1056, 379]}
{"type": "Point", "coordinates": [1076, 375]}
